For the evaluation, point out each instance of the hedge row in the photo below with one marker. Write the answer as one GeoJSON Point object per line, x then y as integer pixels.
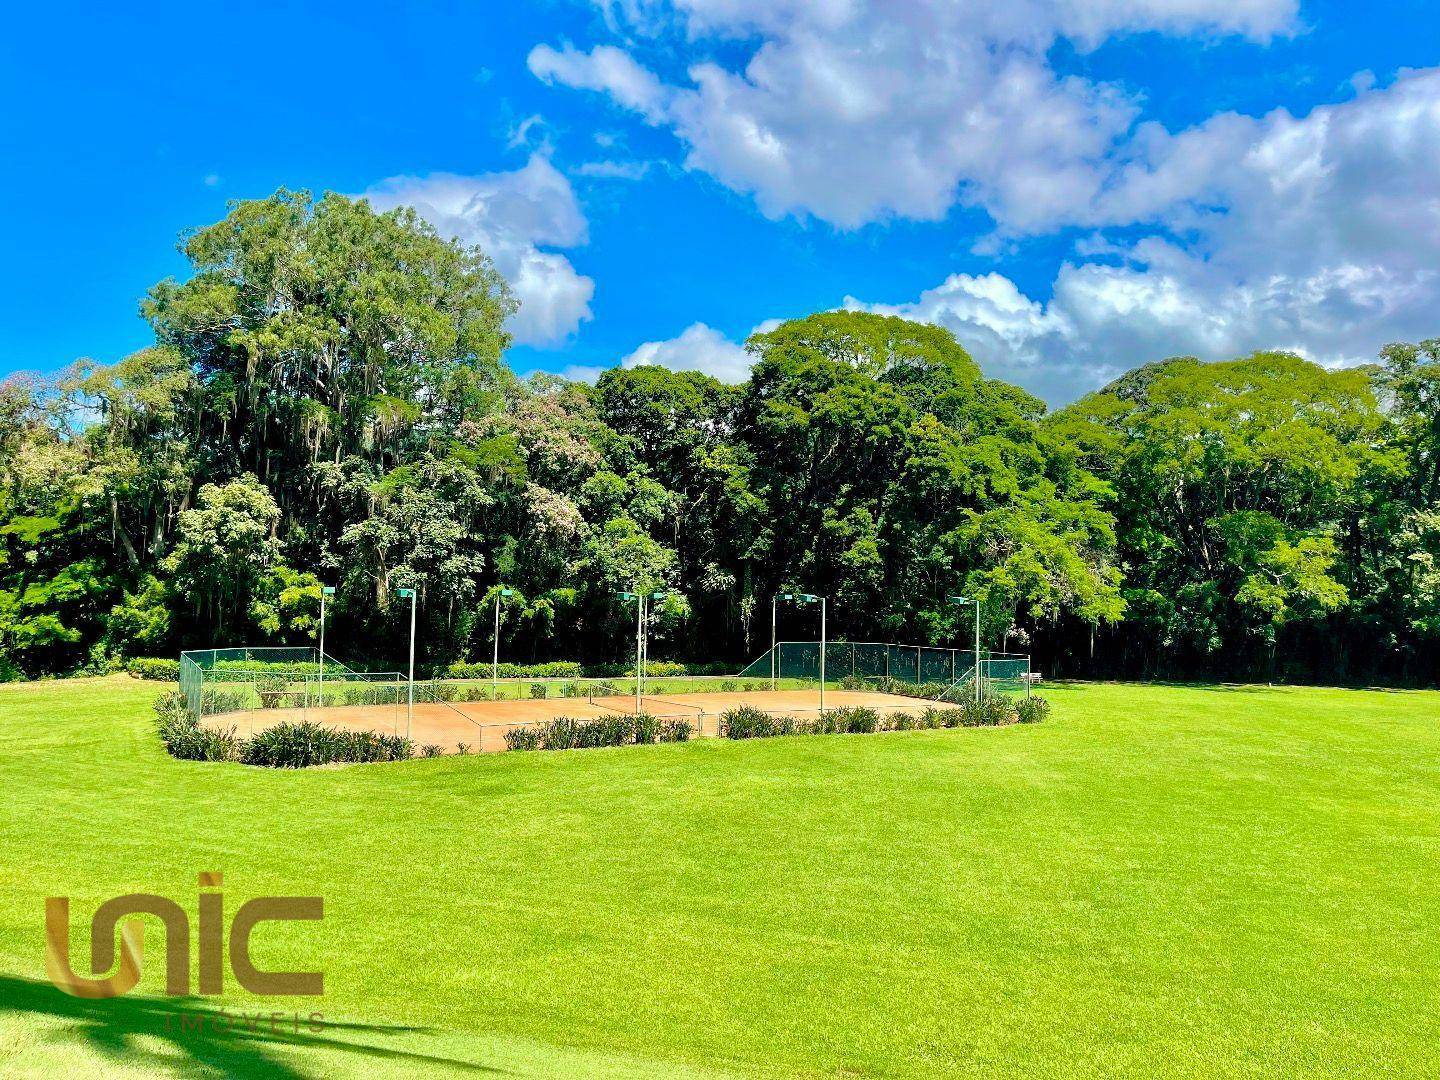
{"type": "Point", "coordinates": [284, 746]}
{"type": "Point", "coordinates": [748, 722]}
{"type": "Point", "coordinates": [568, 733]}
{"type": "Point", "coordinates": [164, 669]}
{"type": "Point", "coordinates": [555, 669]}
{"type": "Point", "coordinates": [158, 668]}
{"type": "Point", "coordinates": [568, 669]}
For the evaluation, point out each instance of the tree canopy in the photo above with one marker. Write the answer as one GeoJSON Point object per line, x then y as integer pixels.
{"type": "Point", "coordinates": [326, 400]}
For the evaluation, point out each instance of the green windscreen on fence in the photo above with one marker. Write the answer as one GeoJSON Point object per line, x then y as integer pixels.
{"type": "Point", "coordinates": [214, 681]}
{"type": "Point", "coordinates": [884, 660]}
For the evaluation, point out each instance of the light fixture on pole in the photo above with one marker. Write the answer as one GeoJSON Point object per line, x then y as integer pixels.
{"type": "Point", "coordinates": [775, 645]}
{"type": "Point", "coordinates": [807, 598]}
{"type": "Point", "coordinates": [502, 591]}
{"type": "Point", "coordinates": [976, 602]}
{"type": "Point", "coordinates": [325, 590]}
{"type": "Point", "coordinates": [410, 695]}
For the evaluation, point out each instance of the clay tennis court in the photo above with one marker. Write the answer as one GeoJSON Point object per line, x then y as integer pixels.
{"type": "Point", "coordinates": [481, 725]}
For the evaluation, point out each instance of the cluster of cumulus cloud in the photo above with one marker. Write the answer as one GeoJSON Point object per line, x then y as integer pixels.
{"type": "Point", "coordinates": [1318, 232]}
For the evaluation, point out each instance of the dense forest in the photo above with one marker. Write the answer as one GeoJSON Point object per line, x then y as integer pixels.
{"type": "Point", "coordinates": [327, 401]}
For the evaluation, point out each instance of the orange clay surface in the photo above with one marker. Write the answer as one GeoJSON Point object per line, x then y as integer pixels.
{"type": "Point", "coordinates": [481, 725]}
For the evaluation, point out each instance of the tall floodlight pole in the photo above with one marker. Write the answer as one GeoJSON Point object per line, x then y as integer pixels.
{"type": "Point", "coordinates": [410, 691]}
{"type": "Point", "coordinates": [325, 590]}
{"type": "Point", "coordinates": [775, 645]}
{"type": "Point", "coordinates": [807, 598]}
{"type": "Point", "coordinates": [639, 599]}
{"type": "Point", "coordinates": [976, 602]}
{"type": "Point", "coordinates": [495, 658]}
{"type": "Point", "coordinates": [659, 595]}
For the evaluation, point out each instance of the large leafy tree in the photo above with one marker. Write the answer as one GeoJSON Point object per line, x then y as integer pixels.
{"type": "Point", "coordinates": [1234, 483]}
{"type": "Point", "coordinates": [894, 475]}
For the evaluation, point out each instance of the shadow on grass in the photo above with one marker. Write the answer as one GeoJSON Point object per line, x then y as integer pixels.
{"type": "Point", "coordinates": [200, 1039]}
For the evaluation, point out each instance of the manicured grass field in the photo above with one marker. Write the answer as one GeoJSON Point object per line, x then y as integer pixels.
{"type": "Point", "coordinates": [1161, 880]}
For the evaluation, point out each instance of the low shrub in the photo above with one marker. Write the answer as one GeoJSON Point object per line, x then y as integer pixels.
{"type": "Point", "coordinates": [854, 721]}
{"type": "Point", "coordinates": [931, 690]}
{"type": "Point", "coordinates": [271, 689]}
{"type": "Point", "coordinates": [852, 682]}
{"type": "Point", "coordinates": [471, 691]}
{"type": "Point", "coordinates": [156, 668]}
{"type": "Point", "coordinates": [748, 722]}
{"type": "Point", "coordinates": [827, 723]}
{"type": "Point", "coordinates": [729, 686]}
{"type": "Point", "coordinates": [431, 750]}
{"type": "Point", "coordinates": [953, 717]}
{"type": "Point", "coordinates": [286, 745]}
{"type": "Point", "coordinates": [568, 733]}
{"type": "Point", "coordinates": [676, 730]}
{"type": "Point", "coordinates": [562, 733]}
{"type": "Point", "coordinates": [186, 739]}
{"type": "Point", "coordinates": [572, 690]}
{"type": "Point", "coordinates": [987, 712]}
{"type": "Point", "coordinates": [1032, 710]}
{"type": "Point", "coordinates": [299, 745]}
{"type": "Point", "coordinates": [539, 690]}
{"type": "Point", "coordinates": [374, 693]}
{"type": "Point", "coordinates": [555, 669]}
{"type": "Point", "coordinates": [214, 701]}
{"type": "Point", "coordinates": [751, 686]}
{"type": "Point", "coordinates": [522, 738]}
{"type": "Point", "coordinates": [647, 728]}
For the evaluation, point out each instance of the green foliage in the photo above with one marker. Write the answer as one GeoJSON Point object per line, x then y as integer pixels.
{"type": "Point", "coordinates": [991, 711]}
{"type": "Point", "coordinates": [160, 669]}
{"type": "Point", "coordinates": [522, 738]}
{"type": "Point", "coordinates": [326, 399]}
{"type": "Point", "coordinates": [568, 733]}
{"type": "Point", "coordinates": [1235, 486]}
{"type": "Point", "coordinates": [185, 738]}
{"type": "Point", "coordinates": [292, 745]}
{"type": "Point", "coordinates": [748, 722]}
{"type": "Point", "coordinates": [1032, 710]}
{"type": "Point", "coordinates": [141, 619]}
{"type": "Point", "coordinates": [558, 669]}
{"type": "Point", "coordinates": [855, 721]}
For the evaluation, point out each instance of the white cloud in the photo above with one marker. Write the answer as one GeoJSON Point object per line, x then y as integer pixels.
{"type": "Point", "coordinates": [697, 348]}
{"type": "Point", "coordinates": [856, 112]}
{"type": "Point", "coordinates": [603, 68]}
{"type": "Point", "coordinates": [531, 129]}
{"type": "Point", "coordinates": [615, 170]}
{"type": "Point", "coordinates": [513, 217]}
{"type": "Point", "coordinates": [1318, 232]}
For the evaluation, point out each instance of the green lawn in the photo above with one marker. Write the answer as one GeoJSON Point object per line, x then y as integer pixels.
{"type": "Point", "coordinates": [1168, 880]}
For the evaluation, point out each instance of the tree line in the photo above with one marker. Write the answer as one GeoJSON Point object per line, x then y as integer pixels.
{"type": "Point", "coordinates": [326, 402]}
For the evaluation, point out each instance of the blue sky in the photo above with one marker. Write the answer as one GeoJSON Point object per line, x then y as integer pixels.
{"type": "Point", "coordinates": [1073, 188]}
